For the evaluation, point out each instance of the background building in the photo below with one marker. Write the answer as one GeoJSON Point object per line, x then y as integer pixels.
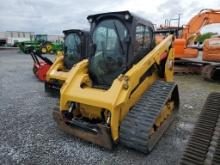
{"type": "Point", "coordinates": [10, 38]}
{"type": "Point", "coordinates": [3, 38]}
{"type": "Point", "coordinates": [15, 36]}
{"type": "Point", "coordinates": [55, 38]}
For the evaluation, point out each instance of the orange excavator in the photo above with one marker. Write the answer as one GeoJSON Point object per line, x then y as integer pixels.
{"type": "Point", "coordinates": [191, 30]}
{"type": "Point", "coordinates": [189, 55]}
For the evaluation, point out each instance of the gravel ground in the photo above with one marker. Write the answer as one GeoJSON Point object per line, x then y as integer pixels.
{"type": "Point", "coordinates": [30, 136]}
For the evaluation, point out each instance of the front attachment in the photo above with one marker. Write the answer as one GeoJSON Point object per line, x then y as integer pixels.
{"type": "Point", "coordinates": [95, 133]}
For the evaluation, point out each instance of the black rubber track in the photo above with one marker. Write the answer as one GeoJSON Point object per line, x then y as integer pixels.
{"type": "Point", "coordinates": [135, 128]}
{"type": "Point", "coordinates": [203, 146]}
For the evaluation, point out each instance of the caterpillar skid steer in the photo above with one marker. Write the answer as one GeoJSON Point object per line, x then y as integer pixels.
{"type": "Point", "coordinates": [75, 49]}
{"type": "Point", "coordinates": [124, 93]}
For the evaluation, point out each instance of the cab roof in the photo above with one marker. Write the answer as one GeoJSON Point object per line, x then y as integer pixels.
{"type": "Point", "coordinates": [74, 31]}
{"type": "Point", "coordinates": [120, 14]}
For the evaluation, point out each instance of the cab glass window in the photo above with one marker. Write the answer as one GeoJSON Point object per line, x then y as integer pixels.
{"type": "Point", "coordinates": [143, 38]}
{"type": "Point", "coordinates": [72, 49]}
{"type": "Point", "coordinates": [109, 58]}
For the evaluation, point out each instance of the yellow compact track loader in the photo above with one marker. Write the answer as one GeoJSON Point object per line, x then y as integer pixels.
{"type": "Point", "coordinates": [75, 49]}
{"type": "Point", "coordinates": [124, 93]}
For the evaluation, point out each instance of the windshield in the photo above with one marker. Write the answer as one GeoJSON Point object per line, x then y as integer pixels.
{"type": "Point", "coordinates": [72, 49]}
{"type": "Point", "coordinates": [41, 38]}
{"type": "Point", "coordinates": [109, 59]}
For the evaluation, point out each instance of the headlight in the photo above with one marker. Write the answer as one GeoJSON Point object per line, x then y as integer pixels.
{"type": "Point", "coordinates": [90, 20]}
{"type": "Point", "coordinates": [127, 16]}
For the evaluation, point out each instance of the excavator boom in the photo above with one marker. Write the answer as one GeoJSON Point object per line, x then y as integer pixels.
{"type": "Point", "coordinates": [191, 30]}
{"type": "Point", "coordinates": [204, 17]}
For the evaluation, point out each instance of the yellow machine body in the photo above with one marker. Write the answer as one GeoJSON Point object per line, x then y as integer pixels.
{"type": "Point", "coordinates": [124, 92]}
{"type": "Point", "coordinates": [57, 71]}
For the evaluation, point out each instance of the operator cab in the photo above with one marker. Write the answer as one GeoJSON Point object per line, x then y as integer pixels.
{"type": "Point", "coordinates": [119, 40]}
{"type": "Point", "coordinates": [41, 38]}
{"type": "Point", "coordinates": [75, 46]}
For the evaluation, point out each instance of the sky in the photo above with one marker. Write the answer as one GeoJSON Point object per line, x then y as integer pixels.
{"type": "Point", "coordinates": [54, 16]}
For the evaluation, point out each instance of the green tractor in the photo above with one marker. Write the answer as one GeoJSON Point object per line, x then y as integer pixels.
{"type": "Point", "coordinates": [55, 46]}
{"type": "Point", "coordinates": [41, 44]}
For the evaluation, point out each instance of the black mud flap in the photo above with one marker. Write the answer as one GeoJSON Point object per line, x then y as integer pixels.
{"type": "Point", "coordinates": [100, 136]}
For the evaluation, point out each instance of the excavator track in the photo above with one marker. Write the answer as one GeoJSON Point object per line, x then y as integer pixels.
{"type": "Point", "coordinates": [203, 146]}
{"type": "Point", "coordinates": [211, 72]}
{"type": "Point", "coordinates": [208, 71]}
{"type": "Point", "coordinates": [135, 130]}
{"type": "Point", "coordinates": [188, 67]}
